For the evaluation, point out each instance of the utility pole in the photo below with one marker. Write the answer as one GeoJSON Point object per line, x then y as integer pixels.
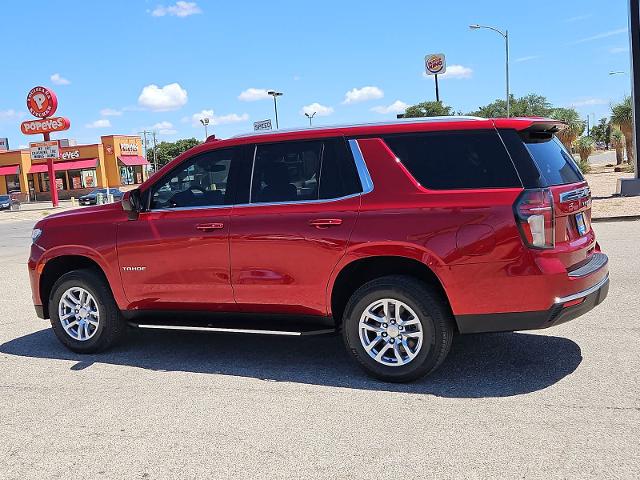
{"type": "Point", "coordinates": [155, 153]}
{"type": "Point", "coordinates": [144, 136]}
{"type": "Point", "coordinates": [505, 35]}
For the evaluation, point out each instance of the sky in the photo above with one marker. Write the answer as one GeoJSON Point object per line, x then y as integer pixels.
{"type": "Point", "coordinates": [124, 66]}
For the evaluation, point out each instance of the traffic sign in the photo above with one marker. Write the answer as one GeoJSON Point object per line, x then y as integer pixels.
{"type": "Point", "coordinates": [262, 125]}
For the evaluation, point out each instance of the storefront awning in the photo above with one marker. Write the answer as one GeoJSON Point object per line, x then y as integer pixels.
{"type": "Point", "coordinates": [132, 160]}
{"type": "Point", "coordinates": [9, 170]}
{"type": "Point", "coordinates": [61, 166]}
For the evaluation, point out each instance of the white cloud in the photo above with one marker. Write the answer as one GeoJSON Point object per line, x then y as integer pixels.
{"type": "Point", "coordinates": [577, 18]}
{"type": "Point", "coordinates": [363, 94]}
{"type": "Point", "coordinates": [619, 50]}
{"type": "Point", "coordinates": [161, 99]}
{"type": "Point", "coordinates": [102, 123]}
{"type": "Point", "coordinates": [588, 102]}
{"type": "Point", "coordinates": [320, 110]}
{"type": "Point", "coordinates": [164, 128]}
{"type": "Point", "coordinates": [600, 35]}
{"type": "Point", "coordinates": [527, 58]}
{"type": "Point", "coordinates": [180, 9]}
{"type": "Point", "coordinates": [253, 94]}
{"type": "Point", "coordinates": [215, 119]}
{"type": "Point", "coordinates": [57, 79]}
{"type": "Point", "coordinates": [10, 115]}
{"type": "Point", "coordinates": [396, 107]}
{"type": "Point", "coordinates": [110, 112]}
{"type": "Point", "coordinates": [454, 71]}
{"type": "Point", "coordinates": [22, 146]}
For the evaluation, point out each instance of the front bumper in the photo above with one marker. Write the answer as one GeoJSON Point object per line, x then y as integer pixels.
{"type": "Point", "coordinates": [563, 309]}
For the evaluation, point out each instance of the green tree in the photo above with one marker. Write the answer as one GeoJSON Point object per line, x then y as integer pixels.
{"type": "Point", "coordinates": [622, 116]}
{"type": "Point", "coordinates": [167, 151]}
{"type": "Point", "coordinates": [574, 128]}
{"type": "Point", "coordinates": [584, 147]}
{"type": "Point", "coordinates": [602, 131]}
{"type": "Point", "coordinates": [428, 109]}
{"type": "Point", "coordinates": [531, 105]}
{"type": "Point", "coordinates": [617, 142]}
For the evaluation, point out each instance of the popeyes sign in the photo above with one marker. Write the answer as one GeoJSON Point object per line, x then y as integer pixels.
{"type": "Point", "coordinates": [43, 103]}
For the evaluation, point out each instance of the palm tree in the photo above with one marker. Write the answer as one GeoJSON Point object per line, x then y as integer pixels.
{"type": "Point", "coordinates": [617, 142]}
{"type": "Point", "coordinates": [574, 128]}
{"type": "Point", "coordinates": [584, 147]}
{"type": "Point", "coordinates": [622, 116]}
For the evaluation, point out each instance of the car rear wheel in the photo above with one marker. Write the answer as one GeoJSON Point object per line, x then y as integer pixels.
{"type": "Point", "coordinates": [84, 315]}
{"type": "Point", "coordinates": [398, 328]}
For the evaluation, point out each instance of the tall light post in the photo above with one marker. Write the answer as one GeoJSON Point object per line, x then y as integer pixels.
{"type": "Point", "coordinates": [205, 122]}
{"type": "Point", "coordinates": [275, 95]}
{"type": "Point", "coordinates": [310, 116]}
{"type": "Point", "coordinates": [505, 35]}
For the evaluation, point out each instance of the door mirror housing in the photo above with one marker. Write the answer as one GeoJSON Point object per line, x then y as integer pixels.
{"type": "Point", "coordinates": [132, 203]}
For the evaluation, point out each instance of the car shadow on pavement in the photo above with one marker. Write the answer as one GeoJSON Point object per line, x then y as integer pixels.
{"type": "Point", "coordinates": [489, 365]}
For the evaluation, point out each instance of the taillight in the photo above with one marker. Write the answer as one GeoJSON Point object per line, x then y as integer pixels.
{"type": "Point", "coordinates": [534, 213]}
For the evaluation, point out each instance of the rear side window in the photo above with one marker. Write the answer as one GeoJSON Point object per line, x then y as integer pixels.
{"type": "Point", "coordinates": [300, 171]}
{"type": "Point", "coordinates": [456, 160]}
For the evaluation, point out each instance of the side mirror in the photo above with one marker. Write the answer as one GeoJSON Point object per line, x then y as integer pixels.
{"type": "Point", "coordinates": [132, 204]}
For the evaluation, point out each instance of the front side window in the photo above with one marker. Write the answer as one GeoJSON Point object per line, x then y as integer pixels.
{"type": "Point", "coordinates": [302, 171]}
{"type": "Point", "coordinates": [456, 160]}
{"type": "Point", "coordinates": [200, 181]}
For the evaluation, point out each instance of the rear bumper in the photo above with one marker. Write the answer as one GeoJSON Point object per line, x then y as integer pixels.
{"type": "Point", "coordinates": [563, 309]}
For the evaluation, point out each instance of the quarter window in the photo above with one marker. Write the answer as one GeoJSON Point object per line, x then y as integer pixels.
{"type": "Point", "coordinates": [198, 182]}
{"type": "Point", "coordinates": [456, 160]}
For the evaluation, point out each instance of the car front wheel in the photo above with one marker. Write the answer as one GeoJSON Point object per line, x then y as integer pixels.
{"type": "Point", "coordinates": [398, 328]}
{"type": "Point", "coordinates": [84, 315]}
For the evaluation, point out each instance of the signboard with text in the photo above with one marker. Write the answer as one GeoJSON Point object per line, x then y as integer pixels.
{"type": "Point", "coordinates": [435, 64]}
{"type": "Point", "coordinates": [42, 102]}
{"type": "Point", "coordinates": [4, 144]}
{"type": "Point", "coordinates": [262, 125]}
{"type": "Point", "coordinates": [42, 151]}
{"type": "Point", "coordinates": [45, 125]}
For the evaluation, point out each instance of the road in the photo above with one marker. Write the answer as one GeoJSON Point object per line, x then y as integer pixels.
{"type": "Point", "coordinates": [561, 403]}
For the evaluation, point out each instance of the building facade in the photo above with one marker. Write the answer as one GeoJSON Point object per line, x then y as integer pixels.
{"type": "Point", "coordinates": [116, 161]}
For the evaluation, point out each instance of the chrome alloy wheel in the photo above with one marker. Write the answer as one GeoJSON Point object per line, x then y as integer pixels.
{"type": "Point", "coordinates": [390, 332]}
{"type": "Point", "coordinates": [78, 314]}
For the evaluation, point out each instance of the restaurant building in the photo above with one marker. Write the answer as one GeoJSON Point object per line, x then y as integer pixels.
{"type": "Point", "coordinates": [116, 161]}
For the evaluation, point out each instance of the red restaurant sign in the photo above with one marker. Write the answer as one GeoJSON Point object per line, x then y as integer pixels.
{"type": "Point", "coordinates": [46, 125]}
{"type": "Point", "coordinates": [42, 102]}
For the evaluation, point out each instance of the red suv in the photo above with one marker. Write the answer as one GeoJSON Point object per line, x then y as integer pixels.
{"type": "Point", "coordinates": [400, 235]}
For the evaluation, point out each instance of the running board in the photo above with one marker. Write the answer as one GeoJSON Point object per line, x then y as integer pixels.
{"type": "Point", "coordinates": [233, 330]}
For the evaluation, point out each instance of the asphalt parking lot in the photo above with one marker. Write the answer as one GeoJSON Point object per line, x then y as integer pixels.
{"type": "Point", "coordinates": [561, 403]}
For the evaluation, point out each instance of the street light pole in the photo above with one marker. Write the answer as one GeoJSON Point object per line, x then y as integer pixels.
{"type": "Point", "coordinates": [310, 116]}
{"type": "Point", "coordinates": [275, 95]}
{"type": "Point", "coordinates": [505, 35]}
{"type": "Point", "coordinates": [205, 123]}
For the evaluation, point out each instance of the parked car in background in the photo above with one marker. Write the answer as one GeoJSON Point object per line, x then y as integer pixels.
{"type": "Point", "coordinates": [91, 198]}
{"type": "Point", "coordinates": [399, 235]}
{"type": "Point", "coordinates": [5, 202]}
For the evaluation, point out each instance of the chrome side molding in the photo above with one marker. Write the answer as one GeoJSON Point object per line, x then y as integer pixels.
{"type": "Point", "coordinates": [583, 293]}
{"type": "Point", "coordinates": [194, 328]}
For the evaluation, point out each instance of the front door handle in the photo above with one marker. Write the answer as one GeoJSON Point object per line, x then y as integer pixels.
{"type": "Point", "coordinates": [325, 222]}
{"type": "Point", "coordinates": [209, 227]}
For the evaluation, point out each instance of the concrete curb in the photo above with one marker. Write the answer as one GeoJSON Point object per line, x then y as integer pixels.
{"type": "Point", "coordinates": [621, 218]}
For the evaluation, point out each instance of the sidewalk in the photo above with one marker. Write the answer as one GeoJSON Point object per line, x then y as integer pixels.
{"type": "Point", "coordinates": [35, 211]}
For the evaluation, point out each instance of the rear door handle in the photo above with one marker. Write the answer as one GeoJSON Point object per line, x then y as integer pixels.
{"type": "Point", "coordinates": [209, 227]}
{"type": "Point", "coordinates": [325, 222]}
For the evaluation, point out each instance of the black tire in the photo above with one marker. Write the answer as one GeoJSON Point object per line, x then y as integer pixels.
{"type": "Point", "coordinates": [111, 324]}
{"type": "Point", "coordinates": [432, 311]}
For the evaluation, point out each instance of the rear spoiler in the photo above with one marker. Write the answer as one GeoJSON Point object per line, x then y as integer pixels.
{"type": "Point", "coordinates": [531, 124]}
